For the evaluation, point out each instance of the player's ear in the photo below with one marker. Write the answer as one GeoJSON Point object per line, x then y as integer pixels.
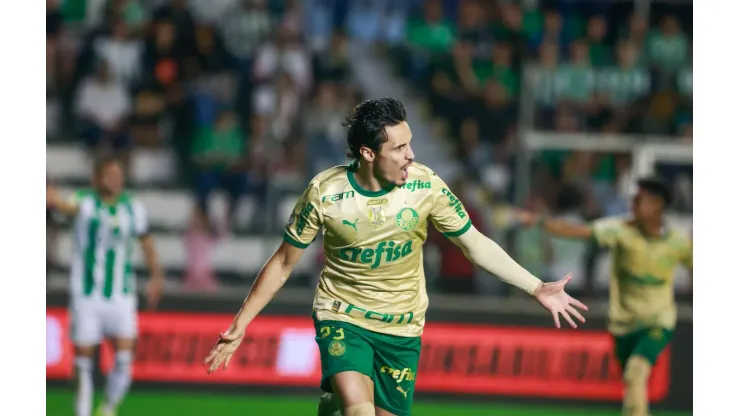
{"type": "Point", "coordinates": [367, 153]}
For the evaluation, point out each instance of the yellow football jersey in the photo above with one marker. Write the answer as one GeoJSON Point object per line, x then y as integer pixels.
{"type": "Point", "coordinates": [641, 292]}
{"type": "Point", "coordinates": [374, 274]}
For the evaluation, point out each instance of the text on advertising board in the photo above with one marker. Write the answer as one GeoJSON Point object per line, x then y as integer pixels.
{"type": "Point", "coordinates": [460, 359]}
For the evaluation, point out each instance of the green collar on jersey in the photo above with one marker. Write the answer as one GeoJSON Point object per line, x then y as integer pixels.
{"type": "Point", "coordinates": [352, 167]}
{"type": "Point", "coordinates": [123, 197]}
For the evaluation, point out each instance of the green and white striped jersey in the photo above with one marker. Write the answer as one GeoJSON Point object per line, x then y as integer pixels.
{"type": "Point", "coordinates": [104, 237]}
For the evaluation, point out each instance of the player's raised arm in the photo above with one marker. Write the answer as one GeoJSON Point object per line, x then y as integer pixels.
{"type": "Point", "coordinates": [54, 200]}
{"type": "Point", "coordinates": [449, 216]}
{"type": "Point", "coordinates": [557, 227]}
{"type": "Point", "coordinates": [301, 230]}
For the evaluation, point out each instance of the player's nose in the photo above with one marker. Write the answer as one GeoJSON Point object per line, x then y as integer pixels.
{"type": "Point", "coordinates": [410, 154]}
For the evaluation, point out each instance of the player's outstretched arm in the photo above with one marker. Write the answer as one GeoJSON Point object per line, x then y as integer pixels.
{"type": "Point", "coordinates": [556, 227]}
{"type": "Point", "coordinates": [489, 256]}
{"type": "Point", "coordinates": [269, 281]}
{"type": "Point", "coordinates": [55, 201]}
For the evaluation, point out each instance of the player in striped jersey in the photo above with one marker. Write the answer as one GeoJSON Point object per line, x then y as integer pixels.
{"type": "Point", "coordinates": [103, 300]}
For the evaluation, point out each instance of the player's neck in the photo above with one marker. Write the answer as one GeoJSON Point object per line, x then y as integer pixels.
{"type": "Point", "coordinates": [365, 178]}
{"type": "Point", "coordinates": [653, 227]}
{"type": "Point", "coordinates": [108, 198]}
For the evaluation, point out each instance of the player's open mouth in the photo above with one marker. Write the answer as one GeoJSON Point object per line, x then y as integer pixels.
{"type": "Point", "coordinates": [405, 171]}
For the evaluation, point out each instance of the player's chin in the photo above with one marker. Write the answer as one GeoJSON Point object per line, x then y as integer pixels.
{"type": "Point", "coordinates": [402, 178]}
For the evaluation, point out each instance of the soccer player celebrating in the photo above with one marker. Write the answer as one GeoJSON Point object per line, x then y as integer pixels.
{"type": "Point", "coordinates": [642, 309]}
{"type": "Point", "coordinates": [370, 303]}
{"type": "Point", "coordinates": [103, 286]}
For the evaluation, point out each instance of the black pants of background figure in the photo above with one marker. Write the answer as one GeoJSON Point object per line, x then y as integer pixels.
{"type": "Point", "coordinates": [95, 137]}
{"type": "Point", "coordinates": [235, 184]}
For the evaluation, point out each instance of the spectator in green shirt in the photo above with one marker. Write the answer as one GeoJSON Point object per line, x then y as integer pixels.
{"type": "Point", "coordinates": [668, 49]}
{"type": "Point", "coordinates": [596, 39]}
{"type": "Point", "coordinates": [577, 76]}
{"type": "Point", "coordinates": [218, 154]}
{"type": "Point", "coordinates": [499, 69]}
{"type": "Point", "coordinates": [434, 33]}
{"type": "Point", "coordinates": [627, 81]}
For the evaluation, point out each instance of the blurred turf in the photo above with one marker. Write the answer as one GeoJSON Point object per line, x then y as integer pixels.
{"type": "Point", "coordinates": [59, 403]}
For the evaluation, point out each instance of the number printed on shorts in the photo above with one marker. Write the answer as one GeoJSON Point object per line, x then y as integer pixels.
{"type": "Point", "coordinates": [327, 330]}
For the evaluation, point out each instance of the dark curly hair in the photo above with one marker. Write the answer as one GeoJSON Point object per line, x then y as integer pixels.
{"type": "Point", "coordinates": [656, 186]}
{"type": "Point", "coordinates": [367, 123]}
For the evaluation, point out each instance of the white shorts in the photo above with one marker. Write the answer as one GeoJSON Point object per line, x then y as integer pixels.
{"type": "Point", "coordinates": [92, 320]}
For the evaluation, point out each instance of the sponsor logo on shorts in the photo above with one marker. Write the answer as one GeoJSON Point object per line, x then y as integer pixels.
{"type": "Point", "coordinates": [656, 334]}
{"type": "Point", "coordinates": [406, 374]}
{"type": "Point", "coordinates": [337, 348]}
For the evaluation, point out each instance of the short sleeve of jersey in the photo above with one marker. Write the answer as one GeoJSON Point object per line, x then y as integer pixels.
{"type": "Point", "coordinates": [141, 222]}
{"type": "Point", "coordinates": [607, 231]}
{"type": "Point", "coordinates": [448, 213]}
{"type": "Point", "coordinates": [305, 220]}
{"type": "Point", "coordinates": [76, 198]}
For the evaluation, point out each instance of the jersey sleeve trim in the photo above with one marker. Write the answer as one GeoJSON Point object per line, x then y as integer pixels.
{"type": "Point", "coordinates": [295, 243]}
{"type": "Point", "coordinates": [461, 231]}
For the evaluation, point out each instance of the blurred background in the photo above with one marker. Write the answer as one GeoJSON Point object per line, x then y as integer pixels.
{"type": "Point", "coordinates": [223, 110]}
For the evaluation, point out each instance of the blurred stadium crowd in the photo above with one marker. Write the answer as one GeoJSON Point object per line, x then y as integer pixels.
{"type": "Point", "coordinates": [249, 95]}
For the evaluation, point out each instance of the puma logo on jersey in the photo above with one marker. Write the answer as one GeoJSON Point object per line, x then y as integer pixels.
{"type": "Point", "coordinates": [404, 392]}
{"type": "Point", "coordinates": [351, 224]}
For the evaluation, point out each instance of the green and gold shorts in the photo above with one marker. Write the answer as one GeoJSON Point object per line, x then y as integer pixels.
{"type": "Point", "coordinates": [389, 360]}
{"type": "Point", "coordinates": [648, 343]}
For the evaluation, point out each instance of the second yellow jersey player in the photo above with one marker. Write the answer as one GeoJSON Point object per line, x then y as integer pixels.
{"type": "Point", "coordinates": [642, 309]}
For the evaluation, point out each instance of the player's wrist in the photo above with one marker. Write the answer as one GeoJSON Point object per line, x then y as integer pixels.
{"type": "Point", "coordinates": [538, 288]}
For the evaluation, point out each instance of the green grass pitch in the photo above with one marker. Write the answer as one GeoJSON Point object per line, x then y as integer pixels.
{"type": "Point", "coordinates": [148, 403]}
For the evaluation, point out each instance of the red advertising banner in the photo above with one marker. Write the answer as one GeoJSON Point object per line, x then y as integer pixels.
{"type": "Point", "coordinates": [460, 359]}
{"type": "Point", "coordinates": [59, 350]}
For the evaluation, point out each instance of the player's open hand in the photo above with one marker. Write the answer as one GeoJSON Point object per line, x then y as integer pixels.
{"type": "Point", "coordinates": [221, 353]}
{"type": "Point", "coordinates": [553, 297]}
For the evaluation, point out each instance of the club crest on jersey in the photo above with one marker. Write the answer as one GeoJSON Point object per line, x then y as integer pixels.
{"type": "Point", "coordinates": [407, 219]}
{"type": "Point", "coordinates": [377, 216]}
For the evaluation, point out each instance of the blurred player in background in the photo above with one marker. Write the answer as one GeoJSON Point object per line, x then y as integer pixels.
{"type": "Point", "coordinates": [642, 309]}
{"type": "Point", "coordinates": [371, 300]}
{"type": "Point", "coordinates": [103, 299]}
